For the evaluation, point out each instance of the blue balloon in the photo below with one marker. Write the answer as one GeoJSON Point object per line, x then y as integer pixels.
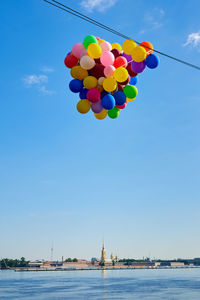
{"type": "Point", "coordinates": [133, 80]}
{"type": "Point", "coordinates": [76, 85]}
{"type": "Point", "coordinates": [108, 102]}
{"type": "Point", "coordinates": [120, 98]}
{"type": "Point", "coordinates": [83, 94]}
{"type": "Point", "coordinates": [152, 61]}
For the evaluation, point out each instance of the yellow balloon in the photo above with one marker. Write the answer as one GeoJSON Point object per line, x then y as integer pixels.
{"type": "Point", "coordinates": [94, 50]}
{"type": "Point", "coordinates": [100, 41]}
{"type": "Point", "coordinates": [109, 84]}
{"type": "Point", "coordinates": [128, 46]}
{"type": "Point", "coordinates": [102, 115]}
{"type": "Point", "coordinates": [90, 82]}
{"type": "Point", "coordinates": [116, 46]}
{"type": "Point", "coordinates": [130, 100]}
{"type": "Point", "coordinates": [139, 54]}
{"type": "Point", "coordinates": [121, 74]}
{"type": "Point", "coordinates": [78, 73]}
{"type": "Point", "coordinates": [83, 106]}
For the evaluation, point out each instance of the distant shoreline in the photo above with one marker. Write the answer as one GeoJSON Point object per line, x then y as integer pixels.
{"type": "Point", "coordinates": [102, 269]}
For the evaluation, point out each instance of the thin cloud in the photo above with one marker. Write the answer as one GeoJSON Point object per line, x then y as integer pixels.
{"type": "Point", "coordinates": [99, 5]}
{"type": "Point", "coordinates": [162, 12]}
{"type": "Point", "coordinates": [31, 80]}
{"type": "Point", "coordinates": [37, 81]}
{"type": "Point", "coordinates": [45, 91]}
{"type": "Point", "coordinates": [47, 69]}
{"type": "Point", "coordinates": [153, 20]}
{"type": "Point", "coordinates": [193, 40]}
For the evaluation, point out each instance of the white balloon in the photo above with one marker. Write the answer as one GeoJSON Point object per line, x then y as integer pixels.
{"type": "Point", "coordinates": [87, 62]}
{"type": "Point", "coordinates": [100, 80]}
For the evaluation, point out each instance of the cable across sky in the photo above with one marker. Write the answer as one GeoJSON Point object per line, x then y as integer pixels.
{"type": "Point", "coordinates": [101, 25]}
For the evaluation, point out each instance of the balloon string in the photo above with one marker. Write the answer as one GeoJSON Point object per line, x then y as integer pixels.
{"type": "Point", "coordinates": [124, 65]}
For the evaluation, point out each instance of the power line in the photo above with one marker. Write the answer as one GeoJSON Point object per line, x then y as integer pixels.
{"type": "Point", "coordinates": [85, 18]}
{"type": "Point", "coordinates": [94, 22]}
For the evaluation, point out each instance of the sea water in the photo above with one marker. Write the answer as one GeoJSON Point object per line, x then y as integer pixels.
{"type": "Point", "coordinates": [113, 284]}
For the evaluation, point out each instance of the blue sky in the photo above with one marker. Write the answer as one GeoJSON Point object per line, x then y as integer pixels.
{"type": "Point", "coordinates": [69, 178]}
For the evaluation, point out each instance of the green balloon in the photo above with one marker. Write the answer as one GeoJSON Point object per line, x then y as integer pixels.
{"type": "Point", "coordinates": [89, 39]}
{"type": "Point", "coordinates": [116, 109]}
{"type": "Point", "coordinates": [130, 91]}
{"type": "Point", "coordinates": [113, 113]}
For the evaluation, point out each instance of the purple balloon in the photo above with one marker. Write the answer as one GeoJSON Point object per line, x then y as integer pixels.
{"type": "Point", "coordinates": [97, 107]}
{"type": "Point", "coordinates": [138, 67]}
{"type": "Point", "coordinates": [128, 57]}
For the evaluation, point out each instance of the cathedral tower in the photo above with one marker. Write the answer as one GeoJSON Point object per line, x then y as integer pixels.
{"type": "Point", "coordinates": [103, 254]}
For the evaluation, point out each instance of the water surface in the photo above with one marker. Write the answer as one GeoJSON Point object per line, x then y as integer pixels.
{"type": "Point", "coordinates": [114, 284]}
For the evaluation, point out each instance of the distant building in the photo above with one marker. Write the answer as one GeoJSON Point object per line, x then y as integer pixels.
{"type": "Point", "coordinates": [105, 260]}
{"type": "Point", "coordinates": [146, 264]}
{"type": "Point", "coordinates": [94, 259]}
{"type": "Point", "coordinates": [35, 264]}
{"type": "Point", "coordinates": [50, 264]}
{"type": "Point", "coordinates": [116, 258]}
{"type": "Point", "coordinates": [177, 264]}
{"type": "Point", "coordinates": [147, 259]}
{"type": "Point", "coordinates": [82, 261]}
{"type": "Point", "coordinates": [165, 264]}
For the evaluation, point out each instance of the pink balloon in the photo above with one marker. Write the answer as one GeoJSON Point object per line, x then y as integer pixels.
{"type": "Point", "coordinates": [105, 46]}
{"type": "Point", "coordinates": [93, 95]}
{"type": "Point", "coordinates": [77, 49]}
{"type": "Point", "coordinates": [107, 58]}
{"type": "Point", "coordinates": [109, 70]}
{"type": "Point", "coordinates": [97, 107]}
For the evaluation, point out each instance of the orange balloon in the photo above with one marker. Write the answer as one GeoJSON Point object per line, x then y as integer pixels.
{"type": "Point", "coordinates": [129, 100]}
{"type": "Point", "coordinates": [147, 46]}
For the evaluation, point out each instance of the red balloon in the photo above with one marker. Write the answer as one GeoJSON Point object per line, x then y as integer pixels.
{"type": "Point", "coordinates": [116, 52]}
{"type": "Point", "coordinates": [97, 61]}
{"type": "Point", "coordinates": [70, 61]}
{"type": "Point", "coordinates": [130, 71]}
{"type": "Point", "coordinates": [97, 71]}
{"type": "Point", "coordinates": [120, 61]}
{"type": "Point", "coordinates": [120, 87]}
{"type": "Point", "coordinates": [121, 106]}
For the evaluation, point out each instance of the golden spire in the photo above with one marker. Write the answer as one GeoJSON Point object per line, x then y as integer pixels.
{"type": "Point", "coordinates": [103, 253]}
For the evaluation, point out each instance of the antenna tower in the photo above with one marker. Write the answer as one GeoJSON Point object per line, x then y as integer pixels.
{"type": "Point", "coordinates": [51, 258]}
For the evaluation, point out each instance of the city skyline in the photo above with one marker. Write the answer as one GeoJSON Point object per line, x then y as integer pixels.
{"type": "Point", "coordinates": [102, 255]}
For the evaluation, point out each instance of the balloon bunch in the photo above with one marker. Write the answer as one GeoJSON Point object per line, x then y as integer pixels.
{"type": "Point", "coordinates": [105, 75]}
